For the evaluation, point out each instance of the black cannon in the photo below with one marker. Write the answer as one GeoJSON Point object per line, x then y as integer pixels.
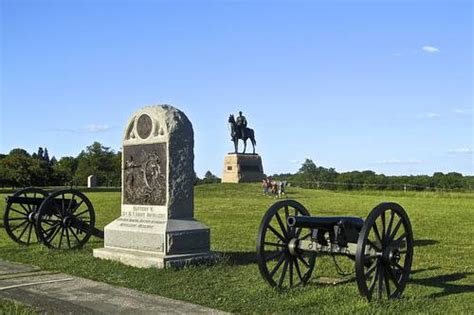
{"type": "Point", "coordinates": [62, 219]}
{"type": "Point", "coordinates": [289, 240]}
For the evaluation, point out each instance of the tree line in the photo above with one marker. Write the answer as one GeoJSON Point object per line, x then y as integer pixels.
{"type": "Point", "coordinates": [312, 176]}
{"type": "Point", "coordinates": [19, 168]}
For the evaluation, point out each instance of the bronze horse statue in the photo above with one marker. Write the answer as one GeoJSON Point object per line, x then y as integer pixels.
{"type": "Point", "coordinates": [236, 135]}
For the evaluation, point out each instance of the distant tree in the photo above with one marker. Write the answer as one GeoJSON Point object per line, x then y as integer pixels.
{"type": "Point", "coordinates": [308, 167]}
{"type": "Point", "coordinates": [437, 179]}
{"type": "Point", "coordinates": [115, 175]}
{"type": "Point", "coordinates": [38, 154]}
{"type": "Point", "coordinates": [421, 182]}
{"type": "Point", "coordinates": [44, 174]}
{"type": "Point", "coordinates": [46, 155]}
{"type": "Point", "coordinates": [64, 170]}
{"type": "Point", "coordinates": [5, 177]}
{"type": "Point", "coordinates": [375, 181]}
{"type": "Point", "coordinates": [210, 178]}
{"type": "Point", "coordinates": [310, 175]}
{"type": "Point", "coordinates": [326, 176]}
{"type": "Point", "coordinates": [282, 176]}
{"type": "Point", "coordinates": [18, 151]}
{"type": "Point", "coordinates": [19, 169]}
{"type": "Point", "coordinates": [197, 180]}
{"type": "Point", "coordinates": [348, 179]}
{"type": "Point", "coordinates": [452, 180]}
{"type": "Point", "coordinates": [306, 176]}
{"type": "Point", "coordinates": [469, 182]}
{"type": "Point", "coordinates": [100, 161]}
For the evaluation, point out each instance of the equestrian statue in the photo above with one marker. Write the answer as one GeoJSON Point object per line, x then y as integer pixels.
{"type": "Point", "coordinates": [240, 131]}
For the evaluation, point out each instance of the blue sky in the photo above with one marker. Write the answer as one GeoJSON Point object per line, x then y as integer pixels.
{"type": "Point", "coordinates": [355, 85]}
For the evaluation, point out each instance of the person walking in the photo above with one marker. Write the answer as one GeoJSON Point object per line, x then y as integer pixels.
{"type": "Point", "coordinates": [265, 187]}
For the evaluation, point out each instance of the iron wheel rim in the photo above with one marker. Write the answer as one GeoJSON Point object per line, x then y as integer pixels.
{"type": "Point", "coordinates": [384, 253]}
{"type": "Point", "coordinates": [24, 216]}
{"type": "Point", "coordinates": [55, 217]}
{"type": "Point", "coordinates": [279, 267]}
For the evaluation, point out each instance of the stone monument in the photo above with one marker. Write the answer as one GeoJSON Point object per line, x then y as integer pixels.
{"type": "Point", "coordinates": [156, 227]}
{"type": "Point", "coordinates": [91, 181]}
{"type": "Point", "coordinates": [242, 167]}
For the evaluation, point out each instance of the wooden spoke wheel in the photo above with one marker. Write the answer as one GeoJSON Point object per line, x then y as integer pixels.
{"type": "Point", "coordinates": [66, 219]}
{"type": "Point", "coordinates": [19, 217]}
{"type": "Point", "coordinates": [280, 262]}
{"type": "Point", "coordinates": [384, 252]}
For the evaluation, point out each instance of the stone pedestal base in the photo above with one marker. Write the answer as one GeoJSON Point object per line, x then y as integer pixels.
{"type": "Point", "coordinates": [143, 243]}
{"type": "Point", "coordinates": [239, 168]}
{"type": "Point", "coordinates": [145, 259]}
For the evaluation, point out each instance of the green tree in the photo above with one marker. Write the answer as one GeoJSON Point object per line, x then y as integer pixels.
{"type": "Point", "coordinates": [452, 180]}
{"type": "Point", "coordinates": [44, 174]}
{"type": "Point", "coordinates": [210, 178]}
{"type": "Point", "coordinates": [4, 176]}
{"type": "Point", "coordinates": [19, 169]}
{"type": "Point", "coordinates": [100, 161]}
{"type": "Point", "coordinates": [64, 170]}
{"type": "Point", "coordinates": [306, 176]}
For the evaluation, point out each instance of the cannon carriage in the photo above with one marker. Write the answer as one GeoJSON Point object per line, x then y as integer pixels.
{"type": "Point", "coordinates": [289, 241]}
{"type": "Point", "coordinates": [62, 219]}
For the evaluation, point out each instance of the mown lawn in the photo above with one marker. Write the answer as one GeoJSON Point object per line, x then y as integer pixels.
{"type": "Point", "coordinates": [443, 268]}
{"type": "Point", "coordinates": [8, 306]}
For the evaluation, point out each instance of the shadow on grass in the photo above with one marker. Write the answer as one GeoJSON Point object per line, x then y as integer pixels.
{"type": "Point", "coordinates": [240, 258]}
{"type": "Point", "coordinates": [444, 282]}
{"type": "Point", "coordinates": [421, 243]}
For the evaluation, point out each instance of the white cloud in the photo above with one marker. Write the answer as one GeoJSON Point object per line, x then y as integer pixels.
{"type": "Point", "coordinates": [430, 49]}
{"type": "Point", "coordinates": [462, 111]}
{"type": "Point", "coordinates": [295, 162]}
{"type": "Point", "coordinates": [60, 130]}
{"type": "Point", "coordinates": [96, 128]}
{"type": "Point", "coordinates": [463, 150]}
{"type": "Point", "coordinates": [395, 161]}
{"type": "Point", "coordinates": [430, 115]}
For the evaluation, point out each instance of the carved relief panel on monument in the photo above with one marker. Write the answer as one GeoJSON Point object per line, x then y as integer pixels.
{"type": "Point", "coordinates": [145, 174]}
{"type": "Point", "coordinates": [144, 162]}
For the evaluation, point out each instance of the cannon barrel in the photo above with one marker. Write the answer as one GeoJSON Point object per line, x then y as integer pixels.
{"type": "Point", "coordinates": [323, 222]}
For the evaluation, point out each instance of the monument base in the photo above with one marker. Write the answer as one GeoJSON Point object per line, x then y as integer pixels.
{"type": "Point", "coordinates": [145, 259]}
{"type": "Point", "coordinates": [144, 243]}
{"type": "Point", "coordinates": [239, 168]}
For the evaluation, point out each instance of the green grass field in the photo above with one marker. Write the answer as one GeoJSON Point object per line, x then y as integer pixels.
{"type": "Point", "coordinates": [8, 306]}
{"type": "Point", "coordinates": [442, 278]}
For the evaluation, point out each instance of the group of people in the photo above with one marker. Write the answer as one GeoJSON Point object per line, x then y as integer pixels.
{"type": "Point", "coordinates": [274, 188]}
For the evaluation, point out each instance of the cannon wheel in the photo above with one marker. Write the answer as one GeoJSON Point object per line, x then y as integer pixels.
{"type": "Point", "coordinates": [277, 265]}
{"type": "Point", "coordinates": [66, 219]}
{"type": "Point", "coordinates": [384, 252]}
{"type": "Point", "coordinates": [19, 219]}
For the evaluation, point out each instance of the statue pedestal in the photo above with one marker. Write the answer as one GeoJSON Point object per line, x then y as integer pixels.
{"type": "Point", "coordinates": [240, 168]}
